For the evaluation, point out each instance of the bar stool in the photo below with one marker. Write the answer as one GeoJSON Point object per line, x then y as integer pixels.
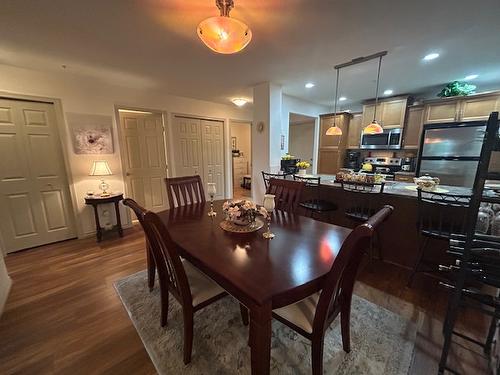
{"type": "Point", "coordinates": [363, 201]}
{"type": "Point", "coordinates": [267, 177]}
{"type": "Point", "coordinates": [440, 215]}
{"type": "Point", "coordinates": [316, 205]}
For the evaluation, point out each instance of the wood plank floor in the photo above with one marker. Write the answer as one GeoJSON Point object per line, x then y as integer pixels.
{"type": "Point", "coordinates": [63, 315]}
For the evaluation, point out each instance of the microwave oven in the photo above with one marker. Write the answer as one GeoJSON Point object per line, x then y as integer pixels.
{"type": "Point", "coordinates": [389, 139]}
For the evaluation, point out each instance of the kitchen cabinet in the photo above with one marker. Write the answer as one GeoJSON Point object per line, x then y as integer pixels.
{"type": "Point", "coordinates": [240, 169]}
{"type": "Point", "coordinates": [442, 112]}
{"type": "Point", "coordinates": [329, 161]}
{"type": "Point", "coordinates": [474, 109]}
{"type": "Point", "coordinates": [390, 113]}
{"type": "Point", "coordinates": [354, 131]}
{"type": "Point", "coordinates": [413, 128]}
{"type": "Point", "coordinates": [332, 148]}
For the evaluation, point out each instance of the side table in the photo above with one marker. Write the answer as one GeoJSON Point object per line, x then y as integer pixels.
{"type": "Point", "coordinates": [95, 201]}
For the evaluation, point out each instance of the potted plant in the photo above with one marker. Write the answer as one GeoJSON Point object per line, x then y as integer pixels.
{"type": "Point", "coordinates": [243, 211]}
{"type": "Point", "coordinates": [303, 165]}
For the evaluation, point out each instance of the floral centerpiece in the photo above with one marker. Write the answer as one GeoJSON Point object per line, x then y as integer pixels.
{"type": "Point", "coordinates": [243, 211]}
{"type": "Point", "coordinates": [287, 156]}
{"type": "Point", "coordinates": [303, 165]}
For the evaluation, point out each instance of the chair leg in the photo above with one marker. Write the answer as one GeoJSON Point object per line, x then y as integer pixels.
{"type": "Point", "coordinates": [420, 255]}
{"type": "Point", "coordinates": [164, 304]}
{"type": "Point", "coordinates": [188, 335]}
{"type": "Point", "coordinates": [151, 267]}
{"type": "Point", "coordinates": [379, 244]}
{"type": "Point", "coordinates": [244, 314]}
{"type": "Point", "coordinates": [345, 326]}
{"type": "Point", "coordinates": [317, 355]}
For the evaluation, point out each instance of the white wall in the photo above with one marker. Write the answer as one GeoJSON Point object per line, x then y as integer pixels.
{"type": "Point", "coordinates": [86, 95]}
{"type": "Point", "coordinates": [5, 283]}
{"type": "Point", "coordinates": [301, 140]}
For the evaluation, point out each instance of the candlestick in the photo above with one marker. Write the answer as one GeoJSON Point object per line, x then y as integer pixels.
{"type": "Point", "coordinates": [211, 192]}
{"type": "Point", "coordinates": [269, 206]}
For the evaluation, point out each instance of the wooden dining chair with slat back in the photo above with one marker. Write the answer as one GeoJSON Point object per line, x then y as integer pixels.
{"type": "Point", "coordinates": [287, 193]}
{"type": "Point", "coordinates": [186, 190]}
{"type": "Point", "coordinates": [312, 316]}
{"type": "Point", "coordinates": [139, 213]}
{"type": "Point", "coordinates": [268, 176]}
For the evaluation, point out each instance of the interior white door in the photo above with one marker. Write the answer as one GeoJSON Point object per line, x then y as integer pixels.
{"type": "Point", "coordinates": [188, 158]}
{"type": "Point", "coordinates": [34, 192]}
{"type": "Point", "coordinates": [213, 154]}
{"type": "Point", "coordinates": [145, 163]}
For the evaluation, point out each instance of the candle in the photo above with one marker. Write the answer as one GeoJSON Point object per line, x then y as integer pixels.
{"type": "Point", "coordinates": [211, 189]}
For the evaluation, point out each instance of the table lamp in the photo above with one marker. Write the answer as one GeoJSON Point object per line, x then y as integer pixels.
{"type": "Point", "coordinates": [101, 168]}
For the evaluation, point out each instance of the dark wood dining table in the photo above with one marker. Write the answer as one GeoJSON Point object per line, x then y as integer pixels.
{"type": "Point", "coordinates": [262, 274]}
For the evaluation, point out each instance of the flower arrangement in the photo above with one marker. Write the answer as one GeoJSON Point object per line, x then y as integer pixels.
{"type": "Point", "coordinates": [243, 211]}
{"type": "Point", "coordinates": [287, 156]}
{"type": "Point", "coordinates": [303, 165]}
{"type": "Point", "coordinates": [457, 88]}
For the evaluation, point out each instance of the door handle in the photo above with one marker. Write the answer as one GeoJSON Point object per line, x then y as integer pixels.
{"type": "Point", "coordinates": [127, 174]}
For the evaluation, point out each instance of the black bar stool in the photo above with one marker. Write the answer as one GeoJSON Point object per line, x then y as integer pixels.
{"type": "Point", "coordinates": [267, 177]}
{"type": "Point", "coordinates": [439, 216]}
{"type": "Point", "coordinates": [316, 205]}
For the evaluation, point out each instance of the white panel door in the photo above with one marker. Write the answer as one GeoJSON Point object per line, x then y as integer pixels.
{"type": "Point", "coordinates": [188, 155]}
{"type": "Point", "coordinates": [212, 135]}
{"type": "Point", "coordinates": [34, 192]}
{"type": "Point", "coordinates": [143, 148]}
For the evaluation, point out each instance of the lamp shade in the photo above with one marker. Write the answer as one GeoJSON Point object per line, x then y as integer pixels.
{"type": "Point", "coordinates": [333, 130]}
{"type": "Point", "coordinates": [373, 128]}
{"type": "Point", "coordinates": [223, 34]}
{"type": "Point", "coordinates": [100, 168]}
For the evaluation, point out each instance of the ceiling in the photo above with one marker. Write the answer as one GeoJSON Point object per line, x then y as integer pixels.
{"type": "Point", "coordinates": [153, 44]}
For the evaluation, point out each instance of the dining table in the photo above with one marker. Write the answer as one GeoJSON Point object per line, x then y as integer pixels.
{"type": "Point", "coordinates": [262, 274]}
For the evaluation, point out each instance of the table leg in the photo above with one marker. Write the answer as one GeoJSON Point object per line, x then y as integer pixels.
{"type": "Point", "coordinates": [98, 228]}
{"type": "Point", "coordinates": [118, 219]}
{"type": "Point", "coordinates": [260, 338]}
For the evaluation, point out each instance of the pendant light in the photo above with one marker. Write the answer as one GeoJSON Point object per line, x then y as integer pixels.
{"type": "Point", "coordinates": [374, 127]}
{"type": "Point", "coordinates": [223, 34]}
{"type": "Point", "coordinates": [334, 129]}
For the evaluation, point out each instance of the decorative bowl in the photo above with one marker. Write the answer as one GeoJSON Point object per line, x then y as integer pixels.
{"type": "Point", "coordinates": [426, 182]}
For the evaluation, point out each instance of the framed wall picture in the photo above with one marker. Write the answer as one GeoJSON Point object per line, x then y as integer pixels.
{"type": "Point", "coordinates": [233, 143]}
{"type": "Point", "coordinates": [91, 134]}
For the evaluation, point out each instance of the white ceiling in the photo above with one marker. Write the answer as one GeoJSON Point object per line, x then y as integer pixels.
{"type": "Point", "coordinates": [153, 44]}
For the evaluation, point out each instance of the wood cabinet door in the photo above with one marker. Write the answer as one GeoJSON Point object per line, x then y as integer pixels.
{"type": "Point", "coordinates": [393, 113]}
{"type": "Point", "coordinates": [479, 108]}
{"type": "Point", "coordinates": [331, 140]}
{"type": "Point", "coordinates": [354, 131]}
{"type": "Point", "coordinates": [368, 110]}
{"type": "Point", "coordinates": [413, 129]}
{"type": "Point", "coordinates": [442, 112]}
{"type": "Point", "coordinates": [328, 161]}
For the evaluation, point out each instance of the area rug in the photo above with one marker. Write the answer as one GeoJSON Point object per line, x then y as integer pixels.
{"type": "Point", "coordinates": [381, 341]}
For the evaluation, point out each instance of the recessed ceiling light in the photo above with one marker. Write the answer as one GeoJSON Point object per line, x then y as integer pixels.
{"type": "Point", "coordinates": [388, 92]}
{"type": "Point", "coordinates": [240, 102]}
{"type": "Point", "coordinates": [470, 77]}
{"type": "Point", "coordinates": [431, 56]}
{"type": "Point", "coordinates": [342, 98]}
{"type": "Point", "coordinates": [309, 85]}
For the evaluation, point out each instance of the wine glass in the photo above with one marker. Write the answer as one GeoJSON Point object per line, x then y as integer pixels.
{"type": "Point", "coordinates": [269, 206]}
{"type": "Point", "coordinates": [211, 192]}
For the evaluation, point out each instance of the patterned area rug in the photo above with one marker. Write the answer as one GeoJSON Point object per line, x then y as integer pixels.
{"type": "Point", "coordinates": [381, 341]}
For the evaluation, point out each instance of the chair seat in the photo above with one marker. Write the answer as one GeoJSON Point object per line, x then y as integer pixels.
{"type": "Point", "coordinates": [202, 287]}
{"type": "Point", "coordinates": [357, 216]}
{"type": "Point", "coordinates": [301, 313]}
{"type": "Point", "coordinates": [319, 205]}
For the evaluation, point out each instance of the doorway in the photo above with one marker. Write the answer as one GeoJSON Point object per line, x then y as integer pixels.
{"type": "Point", "coordinates": [34, 189]}
{"type": "Point", "coordinates": [301, 138]}
{"type": "Point", "coordinates": [241, 151]}
{"type": "Point", "coordinates": [142, 144]}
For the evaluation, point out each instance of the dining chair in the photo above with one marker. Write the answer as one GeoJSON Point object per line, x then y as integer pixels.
{"type": "Point", "coordinates": [287, 193]}
{"type": "Point", "coordinates": [139, 213]}
{"type": "Point", "coordinates": [267, 177]}
{"type": "Point", "coordinates": [184, 190]}
{"type": "Point", "coordinates": [312, 316]}
{"type": "Point", "coordinates": [315, 205]}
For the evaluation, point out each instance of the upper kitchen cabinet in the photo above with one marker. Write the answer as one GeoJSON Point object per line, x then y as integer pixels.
{"type": "Point", "coordinates": [447, 111]}
{"type": "Point", "coordinates": [413, 128]}
{"type": "Point", "coordinates": [355, 129]}
{"type": "Point", "coordinates": [391, 113]}
{"type": "Point", "coordinates": [473, 109]}
{"type": "Point", "coordinates": [332, 148]}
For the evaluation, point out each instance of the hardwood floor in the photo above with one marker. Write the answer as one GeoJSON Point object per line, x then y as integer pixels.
{"type": "Point", "coordinates": [63, 315]}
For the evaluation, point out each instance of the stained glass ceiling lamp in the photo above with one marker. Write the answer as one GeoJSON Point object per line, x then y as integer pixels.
{"type": "Point", "coordinates": [223, 34]}
{"type": "Point", "coordinates": [374, 127]}
{"type": "Point", "coordinates": [334, 129]}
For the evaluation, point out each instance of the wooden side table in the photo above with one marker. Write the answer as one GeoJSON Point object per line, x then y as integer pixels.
{"type": "Point", "coordinates": [95, 201]}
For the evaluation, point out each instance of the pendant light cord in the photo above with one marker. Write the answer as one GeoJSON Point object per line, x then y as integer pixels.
{"type": "Point", "coordinates": [376, 90]}
{"type": "Point", "coordinates": [336, 94]}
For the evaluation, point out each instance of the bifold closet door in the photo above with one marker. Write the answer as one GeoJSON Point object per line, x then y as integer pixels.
{"type": "Point", "coordinates": [34, 192]}
{"type": "Point", "coordinates": [213, 154]}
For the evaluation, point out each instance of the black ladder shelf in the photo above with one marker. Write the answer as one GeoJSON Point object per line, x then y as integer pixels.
{"type": "Point", "coordinates": [477, 257]}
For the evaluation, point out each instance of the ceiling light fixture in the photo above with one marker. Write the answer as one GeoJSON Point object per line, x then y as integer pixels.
{"type": "Point", "coordinates": [471, 77]}
{"type": "Point", "coordinates": [374, 127]}
{"type": "Point", "coordinates": [223, 34]}
{"type": "Point", "coordinates": [334, 129]}
{"type": "Point", "coordinates": [342, 98]}
{"type": "Point", "coordinates": [388, 92]}
{"type": "Point", "coordinates": [431, 56]}
{"type": "Point", "coordinates": [240, 102]}
{"type": "Point", "coordinates": [309, 85]}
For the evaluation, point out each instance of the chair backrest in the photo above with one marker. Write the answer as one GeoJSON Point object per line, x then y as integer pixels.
{"type": "Point", "coordinates": [185, 190]}
{"type": "Point", "coordinates": [442, 214]}
{"type": "Point", "coordinates": [287, 193]}
{"type": "Point", "coordinates": [312, 183]}
{"type": "Point", "coordinates": [362, 198]}
{"type": "Point", "coordinates": [267, 177]}
{"type": "Point", "coordinates": [168, 262]}
{"type": "Point", "coordinates": [339, 282]}
{"type": "Point", "coordinates": [138, 210]}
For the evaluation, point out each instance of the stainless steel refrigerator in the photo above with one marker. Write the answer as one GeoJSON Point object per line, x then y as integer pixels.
{"type": "Point", "coordinates": [451, 152]}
